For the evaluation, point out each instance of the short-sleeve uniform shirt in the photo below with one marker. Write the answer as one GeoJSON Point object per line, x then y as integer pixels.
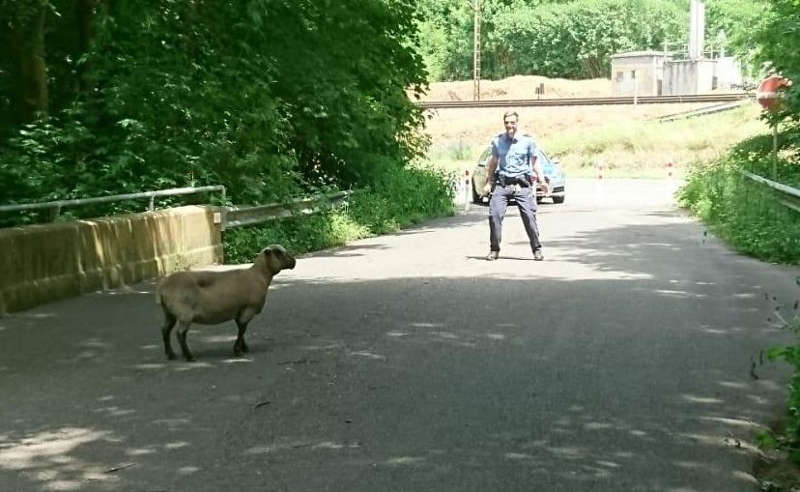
{"type": "Point", "coordinates": [514, 156]}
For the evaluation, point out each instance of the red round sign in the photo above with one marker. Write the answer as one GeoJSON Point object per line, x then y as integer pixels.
{"type": "Point", "coordinates": [769, 93]}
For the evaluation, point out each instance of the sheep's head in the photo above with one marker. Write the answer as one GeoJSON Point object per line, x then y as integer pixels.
{"type": "Point", "coordinates": [274, 258]}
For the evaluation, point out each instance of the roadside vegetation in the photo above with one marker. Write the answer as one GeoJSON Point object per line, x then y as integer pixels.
{"type": "Point", "coordinates": [400, 199]}
{"type": "Point", "coordinates": [749, 216]}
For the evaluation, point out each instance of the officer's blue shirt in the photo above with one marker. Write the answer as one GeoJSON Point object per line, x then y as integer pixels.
{"type": "Point", "coordinates": [514, 156]}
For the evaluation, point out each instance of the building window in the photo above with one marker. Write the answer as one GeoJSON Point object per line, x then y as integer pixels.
{"type": "Point", "coordinates": [620, 76]}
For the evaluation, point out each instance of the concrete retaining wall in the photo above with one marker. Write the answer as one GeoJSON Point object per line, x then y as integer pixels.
{"type": "Point", "coordinates": [43, 263]}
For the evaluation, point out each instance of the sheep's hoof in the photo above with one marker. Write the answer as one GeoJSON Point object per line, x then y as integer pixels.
{"type": "Point", "coordinates": [172, 356]}
{"type": "Point", "coordinates": [190, 358]}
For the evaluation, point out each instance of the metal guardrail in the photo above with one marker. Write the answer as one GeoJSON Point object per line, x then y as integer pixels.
{"type": "Point", "coordinates": [792, 199]}
{"type": "Point", "coordinates": [240, 216]}
{"type": "Point", "coordinates": [235, 216]}
{"type": "Point", "coordinates": [587, 101]}
{"type": "Point", "coordinates": [56, 205]}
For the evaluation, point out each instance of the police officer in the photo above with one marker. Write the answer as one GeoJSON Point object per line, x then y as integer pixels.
{"type": "Point", "coordinates": [512, 170]}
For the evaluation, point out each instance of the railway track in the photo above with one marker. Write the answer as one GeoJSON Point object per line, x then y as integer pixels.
{"type": "Point", "coordinates": [587, 101]}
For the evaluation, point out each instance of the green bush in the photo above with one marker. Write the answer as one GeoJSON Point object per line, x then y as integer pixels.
{"type": "Point", "coordinates": [742, 212]}
{"type": "Point", "coordinates": [791, 355]}
{"type": "Point", "coordinates": [401, 198]}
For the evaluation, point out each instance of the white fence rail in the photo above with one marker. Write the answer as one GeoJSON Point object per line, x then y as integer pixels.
{"type": "Point", "coordinates": [791, 196]}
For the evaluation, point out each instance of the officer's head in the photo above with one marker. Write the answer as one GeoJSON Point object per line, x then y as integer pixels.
{"type": "Point", "coordinates": [510, 120]}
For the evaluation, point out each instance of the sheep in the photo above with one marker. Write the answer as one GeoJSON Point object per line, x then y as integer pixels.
{"type": "Point", "coordinates": [210, 298]}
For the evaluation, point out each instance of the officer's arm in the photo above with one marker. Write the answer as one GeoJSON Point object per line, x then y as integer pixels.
{"type": "Point", "coordinates": [537, 170]}
{"type": "Point", "coordinates": [490, 169]}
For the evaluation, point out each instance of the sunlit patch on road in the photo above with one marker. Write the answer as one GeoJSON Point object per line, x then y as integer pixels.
{"type": "Point", "coordinates": [702, 399]}
{"type": "Point", "coordinates": [218, 338]}
{"type": "Point", "coordinates": [176, 445]}
{"type": "Point", "coordinates": [139, 451]}
{"type": "Point", "coordinates": [681, 294]}
{"type": "Point", "coordinates": [288, 446]}
{"type": "Point", "coordinates": [597, 426]}
{"type": "Point", "coordinates": [148, 366]}
{"type": "Point", "coordinates": [193, 366]}
{"type": "Point", "coordinates": [367, 354]}
{"type": "Point", "coordinates": [48, 457]}
{"type": "Point", "coordinates": [404, 461]}
{"type": "Point", "coordinates": [115, 411]}
{"type": "Point", "coordinates": [518, 456]}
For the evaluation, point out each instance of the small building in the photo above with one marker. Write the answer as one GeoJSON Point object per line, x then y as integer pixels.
{"type": "Point", "coordinates": [656, 73]}
{"type": "Point", "coordinates": [638, 72]}
{"type": "Point", "coordinates": [688, 76]}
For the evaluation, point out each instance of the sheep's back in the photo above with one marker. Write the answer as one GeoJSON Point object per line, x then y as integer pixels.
{"type": "Point", "coordinates": [207, 297]}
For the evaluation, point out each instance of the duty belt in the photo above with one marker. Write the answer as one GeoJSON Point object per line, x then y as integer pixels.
{"type": "Point", "coordinates": [510, 181]}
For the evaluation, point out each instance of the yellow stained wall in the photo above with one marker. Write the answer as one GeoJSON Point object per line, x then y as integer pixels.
{"type": "Point", "coordinates": [42, 263]}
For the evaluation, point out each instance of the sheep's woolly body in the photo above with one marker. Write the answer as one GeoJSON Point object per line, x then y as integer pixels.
{"type": "Point", "coordinates": [214, 297]}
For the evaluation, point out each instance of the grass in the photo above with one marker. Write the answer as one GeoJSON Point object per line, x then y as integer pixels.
{"type": "Point", "coordinates": [628, 145]}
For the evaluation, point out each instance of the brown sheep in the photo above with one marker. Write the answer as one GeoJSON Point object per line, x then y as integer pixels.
{"type": "Point", "coordinates": [210, 298]}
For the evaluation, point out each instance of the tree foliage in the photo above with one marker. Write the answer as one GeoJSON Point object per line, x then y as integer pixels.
{"type": "Point", "coordinates": [269, 97]}
{"type": "Point", "coordinates": [570, 38]}
{"type": "Point", "coordinates": [739, 20]}
{"type": "Point", "coordinates": [778, 42]}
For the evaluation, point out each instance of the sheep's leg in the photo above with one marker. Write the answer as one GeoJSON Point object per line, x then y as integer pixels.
{"type": "Point", "coordinates": [166, 331]}
{"type": "Point", "coordinates": [183, 330]}
{"type": "Point", "coordinates": [240, 346]}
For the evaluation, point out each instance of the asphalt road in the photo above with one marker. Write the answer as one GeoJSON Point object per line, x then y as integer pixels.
{"type": "Point", "coordinates": [408, 363]}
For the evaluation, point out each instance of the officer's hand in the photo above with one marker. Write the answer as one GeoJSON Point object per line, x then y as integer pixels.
{"type": "Point", "coordinates": [545, 187]}
{"type": "Point", "coordinates": [486, 189]}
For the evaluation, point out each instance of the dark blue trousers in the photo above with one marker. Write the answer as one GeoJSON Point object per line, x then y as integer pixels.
{"type": "Point", "coordinates": [526, 202]}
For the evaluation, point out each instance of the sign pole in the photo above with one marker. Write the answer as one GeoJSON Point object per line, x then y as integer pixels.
{"type": "Point", "coordinates": [775, 152]}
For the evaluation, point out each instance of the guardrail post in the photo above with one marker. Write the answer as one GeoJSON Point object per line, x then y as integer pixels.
{"type": "Point", "coordinates": [223, 211]}
{"type": "Point", "coordinates": [775, 152]}
{"type": "Point", "coordinates": [55, 212]}
{"type": "Point", "coordinates": [151, 205]}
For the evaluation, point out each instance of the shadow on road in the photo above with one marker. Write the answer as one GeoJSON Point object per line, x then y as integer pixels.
{"type": "Point", "coordinates": [632, 380]}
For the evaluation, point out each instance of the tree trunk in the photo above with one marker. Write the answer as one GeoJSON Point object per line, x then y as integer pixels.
{"type": "Point", "coordinates": [32, 89]}
{"type": "Point", "coordinates": [84, 10]}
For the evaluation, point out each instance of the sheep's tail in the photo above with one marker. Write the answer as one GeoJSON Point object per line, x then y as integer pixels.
{"type": "Point", "coordinates": [158, 293]}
